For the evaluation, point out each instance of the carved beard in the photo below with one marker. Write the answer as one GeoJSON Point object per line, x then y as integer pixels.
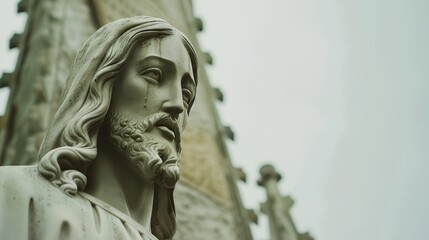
{"type": "Point", "coordinates": [152, 157]}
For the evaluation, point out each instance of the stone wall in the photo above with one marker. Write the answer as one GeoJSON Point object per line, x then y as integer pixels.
{"type": "Point", "coordinates": [54, 33]}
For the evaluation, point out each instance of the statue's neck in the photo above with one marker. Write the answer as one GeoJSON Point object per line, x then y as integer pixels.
{"type": "Point", "coordinates": [110, 179]}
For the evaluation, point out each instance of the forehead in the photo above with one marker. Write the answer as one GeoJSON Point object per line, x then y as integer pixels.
{"type": "Point", "coordinates": [170, 48]}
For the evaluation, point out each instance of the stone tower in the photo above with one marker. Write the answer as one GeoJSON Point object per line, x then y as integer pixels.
{"type": "Point", "coordinates": [207, 200]}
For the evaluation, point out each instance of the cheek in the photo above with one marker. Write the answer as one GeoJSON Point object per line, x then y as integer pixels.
{"type": "Point", "coordinates": [130, 94]}
{"type": "Point", "coordinates": [150, 98]}
{"type": "Point", "coordinates": [134, 88]}
{"type": "Point", "coordinates": [183, 120]}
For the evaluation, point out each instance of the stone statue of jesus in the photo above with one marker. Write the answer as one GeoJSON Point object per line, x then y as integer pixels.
{"type": "Point", "coordinates": [109, 162]}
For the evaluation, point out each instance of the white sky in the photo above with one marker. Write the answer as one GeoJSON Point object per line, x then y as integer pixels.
{"type": "Point", "coordinates": [10, 23]}
{"type": "Point", "coordinates": [334, 94]}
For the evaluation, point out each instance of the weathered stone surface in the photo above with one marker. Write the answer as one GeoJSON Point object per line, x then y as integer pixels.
{"type": "Point", "coordinates": [202, 165]}
{"type": "Point", "coordinates": [31, 208]}
{"type": "Point", "coordinates": [55, 32]}
{"type": "Point", "coordinates": [208, 220]}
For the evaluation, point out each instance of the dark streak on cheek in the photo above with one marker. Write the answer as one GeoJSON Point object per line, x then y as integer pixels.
{"type": "Point", "coordinates": [146, 98]}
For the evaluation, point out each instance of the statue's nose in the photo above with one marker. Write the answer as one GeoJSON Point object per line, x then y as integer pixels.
{"type": "Point", "coordinates": [173, 106]}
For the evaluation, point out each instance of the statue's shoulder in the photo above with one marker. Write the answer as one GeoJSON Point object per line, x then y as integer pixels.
{"type": "Point", "coordinates": [20, 178]}
{"type": "Point", "coordinates": [28, 198]}
{"type": "Point", "coordinates": [15, 172]}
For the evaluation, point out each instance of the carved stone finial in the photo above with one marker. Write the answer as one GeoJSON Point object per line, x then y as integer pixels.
{"type": "Point", "coordinates": [14, 40]}
{"type": "Point", "coordinates": [208, 57]}
{"type": "Point", "coordinates": [199, 25]}
{"type": "Point", "coordinates": [6, 80]}
{"type": "Point", "coordinates": [267, 173]}
{"type": "Point", "coordinates": [277, 207]}
{"type": "Point", "coordinates": [252, 216]}
{"type": "Point", "coordinates": [239, 172]}
{"type": "Point", "coordinates": [305, 236]}
{"type": "Point", "coordinates": [219, 94]}
{"type": "Point", "coordinates": [288, 202]}
{"type": "Point", "coordinates": [22, 6]}
{"type": "Point", "coordinates": [229, 132]}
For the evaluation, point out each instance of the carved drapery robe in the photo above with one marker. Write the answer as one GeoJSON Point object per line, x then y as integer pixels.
{"type": "Point", "coordinates": [32, 208]}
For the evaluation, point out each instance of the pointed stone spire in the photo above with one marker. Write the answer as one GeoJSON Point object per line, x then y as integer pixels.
{"type": "Point", "coordinates": [277, 207]}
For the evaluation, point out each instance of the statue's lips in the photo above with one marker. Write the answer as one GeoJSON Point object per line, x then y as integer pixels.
{"type": "Point", "coordinates": [167, 131]}
{"type": "Point", "coordinates": [169, 127]}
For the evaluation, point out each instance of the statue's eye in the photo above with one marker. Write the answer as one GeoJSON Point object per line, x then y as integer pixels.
{"type": "Point", "coordinates": [153, 75]}
{"type": "Point", "coordinates": [187, 96]}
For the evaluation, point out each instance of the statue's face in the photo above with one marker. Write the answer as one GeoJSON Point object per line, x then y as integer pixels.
{"type": "Point", "coordinates": [158, 77]}
{"type": "Point", "coordinates": [149, 106]}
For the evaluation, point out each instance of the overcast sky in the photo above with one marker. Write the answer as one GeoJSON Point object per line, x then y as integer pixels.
{"type": "Point", "coordinates": [334, 94]}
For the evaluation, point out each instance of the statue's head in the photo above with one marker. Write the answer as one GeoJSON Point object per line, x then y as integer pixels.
{"type": "Point", "coordinates": [149, 108]}
{"type": "Point", "coordinates": [132, 85]}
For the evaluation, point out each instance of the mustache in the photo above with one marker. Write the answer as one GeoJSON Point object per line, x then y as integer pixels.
{"type": "Point", "coordinates": [147, 124]}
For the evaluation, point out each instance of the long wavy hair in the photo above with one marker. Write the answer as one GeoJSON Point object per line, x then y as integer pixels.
{"type": "Point", "coordinates": [70, 144]}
